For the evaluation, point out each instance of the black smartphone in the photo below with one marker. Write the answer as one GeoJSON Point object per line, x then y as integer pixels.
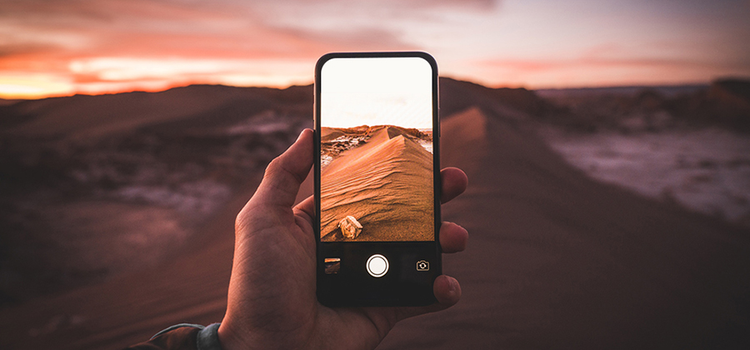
{"type": "Point", "coordinates": [377, 183]}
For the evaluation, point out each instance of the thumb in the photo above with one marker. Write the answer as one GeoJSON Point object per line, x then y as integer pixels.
{"type": "Point", "coordinates": [285, 173]}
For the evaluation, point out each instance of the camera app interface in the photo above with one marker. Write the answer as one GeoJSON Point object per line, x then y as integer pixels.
{"type": "Point", "coordinates": [376, 158]}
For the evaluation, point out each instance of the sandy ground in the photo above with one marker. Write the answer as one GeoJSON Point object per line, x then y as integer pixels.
{"type": "Point", "coordinates": [555, 260]}
{"type": "Point", "coordinates": [129, 308]}
{"type": "Point", "coordinates": [89, 240]}
{"type": "Point", "coordinates": [385, 184]}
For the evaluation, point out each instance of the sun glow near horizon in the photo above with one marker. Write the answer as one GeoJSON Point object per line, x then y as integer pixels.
{"type": "Point", "coordinates": [93, 47]}
{"type": "Point", "coordinates": [106, 75]}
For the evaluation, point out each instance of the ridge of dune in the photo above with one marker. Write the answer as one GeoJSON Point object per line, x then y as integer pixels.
{"type": "Point", "coordinates": [370, 182]}
{"type": "Point", "coordinates": [516, 103]}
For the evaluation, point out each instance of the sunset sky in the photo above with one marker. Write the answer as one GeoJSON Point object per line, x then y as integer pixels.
{"type": "Point", "coordinates": [63, 47]}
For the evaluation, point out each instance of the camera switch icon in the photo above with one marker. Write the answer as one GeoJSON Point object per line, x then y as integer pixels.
{"type": "Point", "coordinates": [423, 265]}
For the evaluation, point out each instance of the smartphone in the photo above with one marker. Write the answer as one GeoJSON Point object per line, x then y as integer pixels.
{"type": "Point", "coordinates": [377, 184]}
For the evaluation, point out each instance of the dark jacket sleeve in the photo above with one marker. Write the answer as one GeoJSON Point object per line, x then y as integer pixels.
{"type": "Point", "coordinates": [184, 337]}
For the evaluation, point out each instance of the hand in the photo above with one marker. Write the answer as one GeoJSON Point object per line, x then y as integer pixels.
{"type": "Point", "coordinates": [272, 302]}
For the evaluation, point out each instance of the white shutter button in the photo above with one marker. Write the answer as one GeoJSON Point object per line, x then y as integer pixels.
{"type": "Point", "coordinates": [377, 265]}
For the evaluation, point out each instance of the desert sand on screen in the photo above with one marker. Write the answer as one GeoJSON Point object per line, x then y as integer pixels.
{"type": "Point", "coordinates": [376, 181]}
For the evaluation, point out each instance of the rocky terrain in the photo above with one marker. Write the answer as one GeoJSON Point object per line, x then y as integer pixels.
{"type": "Point", "coordinates": [88, 182]}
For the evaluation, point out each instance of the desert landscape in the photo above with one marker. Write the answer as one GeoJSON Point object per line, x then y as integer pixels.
{"type": "Point", "coordinates": [382, 177]}
{"type": "Point", "coordinates": [118, 214]}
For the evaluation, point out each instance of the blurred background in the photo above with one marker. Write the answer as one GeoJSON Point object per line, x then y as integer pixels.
{"type": "Point", "coordinates": [607, 144]}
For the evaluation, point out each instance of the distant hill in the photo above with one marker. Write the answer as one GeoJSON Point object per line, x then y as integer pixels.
{"type": "Point", "coordinates": [196, 106]}
{"type": "Point", "coordinates": [724, 103]}
{"type": "Point", "coordinates": [666, 90]}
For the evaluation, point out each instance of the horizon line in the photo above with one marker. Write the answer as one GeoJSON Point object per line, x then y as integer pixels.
{"type": "Point", "coordinates": [292, 85]}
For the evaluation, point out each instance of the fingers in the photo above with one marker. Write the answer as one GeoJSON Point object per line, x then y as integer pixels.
{"type": "Point", "coordinates": [306, 207]}
{"type": "Point", "coordinates": [454, 183]}
{"type": "Point", "coordinates": [284, 174]}
{"type": "Point", "coordinates": [447, 291]}
{"type": "Point", "coordinates": [453, 238]}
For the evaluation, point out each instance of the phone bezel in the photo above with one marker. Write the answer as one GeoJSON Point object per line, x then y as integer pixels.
{"type": "Point", "coordinates": [396, 292]}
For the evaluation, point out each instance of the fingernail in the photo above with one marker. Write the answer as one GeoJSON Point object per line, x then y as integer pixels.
{"type": "Point", "coordinates": [453, 284]}
{"type": "Point", "coordinates": [300, 134]}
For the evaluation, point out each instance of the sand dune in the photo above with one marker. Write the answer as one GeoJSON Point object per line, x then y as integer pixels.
{"type": "Point", "coordinates": [385, 184]}
{"type": "Point", "coordinates": [555, 260]}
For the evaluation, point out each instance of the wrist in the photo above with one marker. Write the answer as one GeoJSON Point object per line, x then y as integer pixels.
{"type": "Point", "coordinates": [229, 339]}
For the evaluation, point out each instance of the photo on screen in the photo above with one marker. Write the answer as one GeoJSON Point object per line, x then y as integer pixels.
{"type": "Point", "coordinates": [376, 156]}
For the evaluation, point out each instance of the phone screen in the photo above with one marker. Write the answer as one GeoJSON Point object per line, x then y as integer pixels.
{"type": "Point", "coordinates": [376, 188]}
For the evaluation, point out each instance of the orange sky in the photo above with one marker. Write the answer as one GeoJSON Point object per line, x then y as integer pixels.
{"type": "Point", "coordinates": [63, 47]}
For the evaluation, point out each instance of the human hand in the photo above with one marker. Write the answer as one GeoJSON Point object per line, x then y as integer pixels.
{"type": "Point", "coordinates": [272, 302]}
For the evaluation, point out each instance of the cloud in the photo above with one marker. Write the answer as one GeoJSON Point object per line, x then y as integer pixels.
{"type": "Point", "coordinates": [601, 71]}
{"type": "Point", "coordinates": [87, 28]}
{"type": "Point", "coordinates": [536, 65]}
{"type": "Point", "coordinates": [400, 4]}
{"type": "Point", "coordinates": [107, 43]}
{"type": "Point", "coordinates": [103, 44]}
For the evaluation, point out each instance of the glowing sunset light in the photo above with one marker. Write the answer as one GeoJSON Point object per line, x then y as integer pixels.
{"type": "Point", "coordinates": [53, 48]}
{"type": "Point", "coordinates": [186, 70]}
{"type": "Point", "coordinates": [33, 86]}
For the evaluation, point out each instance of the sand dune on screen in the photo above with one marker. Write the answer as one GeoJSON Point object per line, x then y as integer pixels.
{"type": "Point", "coordinates": [384, 183]}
